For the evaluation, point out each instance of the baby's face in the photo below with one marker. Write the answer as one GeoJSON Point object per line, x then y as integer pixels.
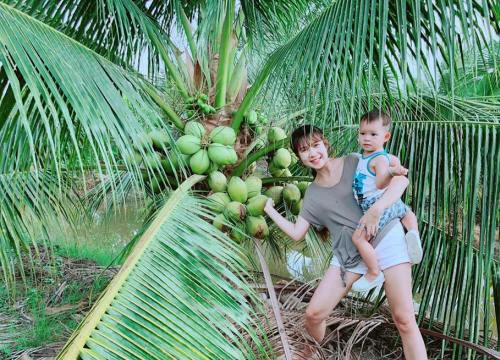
{"type": "Point", "coordinates": [373, 135]}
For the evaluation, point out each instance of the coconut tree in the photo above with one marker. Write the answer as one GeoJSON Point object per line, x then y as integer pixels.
{"type": "Point", "coordinates": [144, 94]}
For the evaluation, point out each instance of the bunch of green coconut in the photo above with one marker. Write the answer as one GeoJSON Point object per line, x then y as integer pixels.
{"type": "Point", "coordinates": [198, 103]}
{"type": "Point", "coordinates": [256, 121]}
{"type": "Point", "coordinates": [289, 194]}
{"type": "Point", "coordinates": [207, 152]}
{"type": "Point", "coordinates": [282, 158]}
{"type": "Point", "coordinates": [162, 158]}
{"type": "Point", "coordinates": [239, 205]}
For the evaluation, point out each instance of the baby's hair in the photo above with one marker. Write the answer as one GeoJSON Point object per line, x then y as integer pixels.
{"type": "Point", "coordinates": [374, 115]}
{"type": "Point", "coordinates": [304, 134]}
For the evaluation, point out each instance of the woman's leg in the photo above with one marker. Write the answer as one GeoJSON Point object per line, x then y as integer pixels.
{"type": "Point", "coordinates": [398, 292]}
{"type": "Point", "coordinates": [327, 295]}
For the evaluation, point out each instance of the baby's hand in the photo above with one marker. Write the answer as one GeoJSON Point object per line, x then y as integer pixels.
{"type": "Point", "coordinates": [397, 170]}
{"type": "Point", "coordinates": [395, 167]}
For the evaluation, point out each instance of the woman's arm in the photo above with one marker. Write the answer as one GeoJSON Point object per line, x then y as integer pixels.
{"type": "Point", "coordinates": [296, 231]}
{"type": "Point", "coordinates": [394, 191]}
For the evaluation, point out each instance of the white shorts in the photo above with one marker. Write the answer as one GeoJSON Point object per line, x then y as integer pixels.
{"type": "Point", "coordinates": [391, 250]}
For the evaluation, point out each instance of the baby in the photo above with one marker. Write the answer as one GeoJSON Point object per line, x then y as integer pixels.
{"type": "Point", "coordinates": [374, 172]}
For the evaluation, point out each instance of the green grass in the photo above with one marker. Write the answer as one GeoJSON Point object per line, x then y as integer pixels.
{"type": "Point", "coordinates": [99, 242]}
{"type": "Point", "coordinates": [45, 328]}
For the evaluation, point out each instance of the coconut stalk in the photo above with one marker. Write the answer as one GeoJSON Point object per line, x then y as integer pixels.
{"type": "Point", "coordinates": [171, 68]}
{"type": "Point", "coordinates": [174, 118]}
{"type": "Point", "coordinates": [274, 301]}
{"type": "Point", "coordinates": [238, 170]}
{"type": "Point", "coordinates": [224, 56]}
{"type": "Point", "coordinates": [187, 29]}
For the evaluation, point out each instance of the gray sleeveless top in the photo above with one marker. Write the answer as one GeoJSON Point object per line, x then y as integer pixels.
{"type": "Point", "coordinates": [335, 208]}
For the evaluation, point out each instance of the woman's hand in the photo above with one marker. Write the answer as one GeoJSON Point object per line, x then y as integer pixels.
{"type": "Point", "coordinates": [369, 221]}
{"type": "Point", "coordinates": [269, 205]}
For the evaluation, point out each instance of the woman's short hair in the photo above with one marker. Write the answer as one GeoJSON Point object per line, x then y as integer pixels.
{"type": "Point", "coordinates": [304, 134]}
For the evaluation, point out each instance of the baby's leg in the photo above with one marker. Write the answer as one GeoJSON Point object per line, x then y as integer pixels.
{"type": "Point", "coordinates": [412, 236]}
{"type": "Point", "coordinates": [409, 221]}
{"type": "Point", "coordinates": [367, 252]}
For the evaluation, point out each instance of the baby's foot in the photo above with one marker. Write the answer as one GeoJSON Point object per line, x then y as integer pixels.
{"type": "Point", "coordinates": [414, 245]}
{"type": "Point", "coordinates": [363, 284]}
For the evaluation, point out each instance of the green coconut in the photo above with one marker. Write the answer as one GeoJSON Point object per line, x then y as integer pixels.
{"type": "Point", "coordinates": [220, 222]}
{"type": "Point", "coordinates": [263, 120]}
{"type": "Point", "coordinates": [194, 128]}
{"type": "Point", "coordinates": [282, 158]}
{"type": "Point", "coordinates": [218, 201]}
{"type": "Point", "coordinates": [142, 142]}
{"type": "Point", "coordinates": [213, 167]}
{"type": "Point", "coordinates": [152, 161]}
{"type": "Point", "coordinates": [200, 162]}
{"type": "Point", "coordinates": [274, 170]}
{"type": "Point", "coordinates": [252, 117]}
{"type": "Point", "coordinates": [303, 185]}
{"type": "Point", "coordinates": [275, 134]}
{"type": "Point", "coordinates": [217, 181]}
{"type": "Point", "coordinates": [173, 162]}
{"type": "Point", "coordinates": [286, 173]}
{"type": "Point", "coordinates": [254, 185]}
{"type": "Point", "coordinates": [223, 135]}
{"type": "Point", "coordinates": [255, 205]}
{"type": "Point", "coordinates": [237, 189]}
{"type": "Point", "coordinates": [277, 172]}
{"type": "Point", "coordinates": [222, 154]}
{"type": "Point", "coordinates": [296, 206]}
{"type": "Point", "coordinates": [155, 185]}
{"type": "Point", "coordinates": [238, 233]}
{"type": "Point", "coordinates": [160, 139]}
{"type": "Point", "coordinates": [275, 193]}
{"type": "Point", "coordinates": [188, 144]}
{"type": "Point", "coordinates": [235, 211]}
{"type": "Point", "coordinates": [133, 158]}
{"type": "Point", "coordinates": [291, 193]}
{"type": "Point", "coordinates": [257, 227]}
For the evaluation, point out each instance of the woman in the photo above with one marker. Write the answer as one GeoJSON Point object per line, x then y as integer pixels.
{"type": "Point", "coordinates": [329, 202]}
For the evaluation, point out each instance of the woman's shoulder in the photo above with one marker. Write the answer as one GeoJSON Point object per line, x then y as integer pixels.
{"type": "Point", "coordinates": [351, 160]}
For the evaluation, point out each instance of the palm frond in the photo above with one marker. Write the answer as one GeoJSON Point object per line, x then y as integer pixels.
{"type": "Point", "coordinates": [354, 49]}
{"type": "Point", "coordinates": [451, 156]}
{"type": "Point", "coordinates": [28, 200]}
{"type": "Point", "coordinates": [66, 109]}
{"type": "Point", "coordinates": [157, 306]}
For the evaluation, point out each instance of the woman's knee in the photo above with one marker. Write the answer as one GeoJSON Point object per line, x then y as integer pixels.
{"type": "Point", "coordinates": [404, 320]}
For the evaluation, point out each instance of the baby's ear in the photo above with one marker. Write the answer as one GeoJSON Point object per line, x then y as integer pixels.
{"type": "Point", "coordinates": [387, 136]}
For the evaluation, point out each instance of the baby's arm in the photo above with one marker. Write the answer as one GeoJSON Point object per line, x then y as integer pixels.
{"type": "Point", "coordinates": [385, 170]}
{"type": "Point", "coordinates": [396, 188]}
{"type": "Point", "coordinates": [296, 231]}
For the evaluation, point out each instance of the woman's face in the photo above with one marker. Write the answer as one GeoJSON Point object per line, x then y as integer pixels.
{"type": "Point", "coordinates": [313, 153]}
